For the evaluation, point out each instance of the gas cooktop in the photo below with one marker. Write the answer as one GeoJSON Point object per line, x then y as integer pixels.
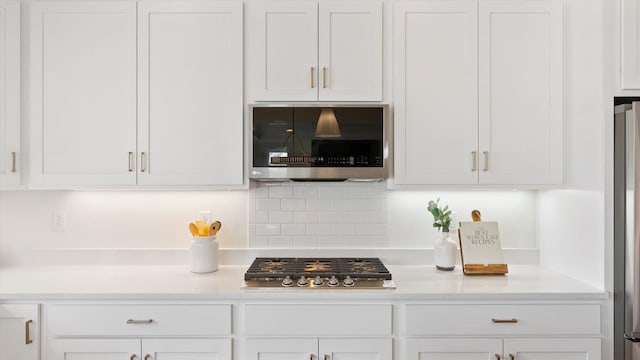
{"type": "Point", "coordinates": [318, 273]}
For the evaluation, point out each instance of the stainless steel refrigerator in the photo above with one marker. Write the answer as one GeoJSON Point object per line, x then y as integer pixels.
{"type": "Point", "coordinates": [627, 231]}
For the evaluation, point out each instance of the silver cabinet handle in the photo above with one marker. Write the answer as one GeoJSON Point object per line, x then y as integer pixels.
{"type": "Point", "coordinates": [132, 321]}
{"type": "Point", "coordinates": [324, 77]}
{"type": "Point", "coordinates": [486, 161]}
{"type": "Point", "coordinates": [512, 357]}
{"type": "Point", "coordinates": [504, 321]}
{"type": "Point", "coordinates": [13, 161]}
{"type": "Point", "coordinates": [313, 78]}
{"type": "Point", "coordinates": [142, 161]}
{"type": "Point", "coordinates": [130, 161]}
{"type": "Point", "coordinates": [27, 332]}
{"type": "Point", "coordinates": [474, 161]}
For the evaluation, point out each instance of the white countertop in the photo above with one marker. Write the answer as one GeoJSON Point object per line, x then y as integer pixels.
{"type": "Point", "coordinates": [524, 282]}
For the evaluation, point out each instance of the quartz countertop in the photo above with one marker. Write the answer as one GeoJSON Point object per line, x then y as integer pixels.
{"type": "Point", "coordinates": [524, 282]}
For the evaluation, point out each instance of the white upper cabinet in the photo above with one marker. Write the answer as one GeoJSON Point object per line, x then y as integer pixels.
{"type": "Point", "coordinates": [630, 54]}
{"type": "Point", "coordinates": [350, 51]}
{"type": "Point", "coordinates": [128, 94]}
{"type": "Point", "coordinates": [190, 93]}
{"type": "Point", "coordinates": [521, 92]}
{"type": "Point", "coordinates": [436, 91]}
{"type": "Point", "coordinates": [9, 93]}
{"type": "Point", "coordinates": [285, 46]}
{"type": "Point", "coordinates": [309, 51]}
{"type": "Point", "coordinates": [82, 93]}
{"type": "Point", "coordinates": [478, 92]}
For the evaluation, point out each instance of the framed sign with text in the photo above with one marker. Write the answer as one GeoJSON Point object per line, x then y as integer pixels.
{"type": "Point", "coordinates": [480, 248]}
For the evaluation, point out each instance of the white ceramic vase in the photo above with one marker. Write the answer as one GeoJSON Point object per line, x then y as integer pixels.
{"type": "Point", "coordinates": [445, 252]}
{"type": "Point", "coordinates": [204, 254]}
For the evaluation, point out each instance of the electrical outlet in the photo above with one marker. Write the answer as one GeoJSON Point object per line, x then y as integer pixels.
{"type": "Point", "coordinates": [59, 221]}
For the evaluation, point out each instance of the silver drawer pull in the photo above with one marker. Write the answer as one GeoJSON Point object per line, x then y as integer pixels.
{"type": "Point", "coordinates": [132, 321]}
{"type": "Point", "coordinates": [27, 332]}
{"type": "Point", "coordinates": [504, 321]}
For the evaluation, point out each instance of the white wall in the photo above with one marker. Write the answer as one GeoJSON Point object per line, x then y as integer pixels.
{"type": "Point", "coordinates": [572, 221]}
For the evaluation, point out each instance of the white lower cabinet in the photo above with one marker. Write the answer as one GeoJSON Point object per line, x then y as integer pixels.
{"type": "Point", "coordinates": [19, 335]}
{"type": "Point", "coordinates": [503, 331]}
{"type": "Point", "coordinates": [139, 331]}
{"type": "Point", "coordinates": [508, 349]}
{"type": "Point", "coordinates": [319, 348]}
{"type": "Point", "coordinates": [147, 349]}
{"type": "Point", "coordinates": [319, 331]}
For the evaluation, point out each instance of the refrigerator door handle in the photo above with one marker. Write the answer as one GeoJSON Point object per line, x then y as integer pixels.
{"type": "Point", "coordinates": [631, 338]}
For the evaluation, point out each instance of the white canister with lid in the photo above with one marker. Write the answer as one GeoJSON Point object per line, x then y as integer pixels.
{"type": "Point", "coordinates": [204, 254]}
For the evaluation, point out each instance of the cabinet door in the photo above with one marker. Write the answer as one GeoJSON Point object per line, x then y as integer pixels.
{"type": "Point", "coordinates": [520, 87]}
{"type": "Point", "coordinates": [281, 349]}
{"type": "Point", "coordinates": [630, 55]}
{"type": "Point", "coordinates": [190, 93]}
{"type": "Point", "coordinates": [350, 50]}
{"type": "Point", "coordinates": [284, 42]}
{"type": "Point", "coordinates": [435, 87]}
{"type": "Point", "coordinates": [355, 349]}
{"type": "Point", "coordinates": [19, 335]}
{"type": "Point", "coordinates": [450, 349]}
{"type": "Point", "coordinates": [186, 349]}
{"type": "Point", "coordinates": [552, 349]}
{"type": "Point", "coordinates": [9, 92]}
{"type": "Point", "coordinates": [82, 94]}
{"type": "Point", "coordinates": [94, 349]}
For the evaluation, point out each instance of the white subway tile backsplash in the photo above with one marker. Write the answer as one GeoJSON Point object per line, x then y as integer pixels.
{"type": "Point", "coordinates": [259, 242]}
{"type": "Point", "coordinates": [343, 204]}
{"type": "Point", "coordinates": [268, 204]}
{"type": "Point", "coordinates": [280, 217]}
{"type": "Point", "coordinates": [343, 229]}
{"type": "Point", "coordinates": [371, 229]}
{"type": "Point", "coordinates": [261, 217]}
{"type": "Point", "coordinates": [305, 192]}
{"type": "Point", "coordinates": [305, 217]}
{"type": "Point", "coordinates": [318, 204]}
{"type": "Point", "coordinates": [267, 229]}
{"type": "Point", "coordinates": [280, 192]}
{"type": "Point", "coordinates": [366, 217]}
{"type": "Point", "coordinates": [331, 192]}
{"type": "Point", "coordinates": [305, 241]}
{"type": "Point", "coordinates": [367, 204]}
{"type": "Point", "coordinates": [331, 217]}
{"type": "Point", "coordinates": [293, 229]}
{"type": "Point", "coordinates": [332, 241]}
{"type": "Point", "coordinates": [260, 192]}
{"type": "Point", "coordinates": [293, 204]}
{"type": "Point", "coordinates": [357, 192]}
{"type": "Point", "coordinates": [318, 229]}
{"type": "Point", "coordinates": [280, 242]}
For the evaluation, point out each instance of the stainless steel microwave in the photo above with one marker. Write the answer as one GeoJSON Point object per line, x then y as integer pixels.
{"type": "Point", "coordinates": [319, 141]}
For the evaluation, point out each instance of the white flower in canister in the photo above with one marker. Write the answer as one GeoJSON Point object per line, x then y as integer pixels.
{"type": "Point", "coordinates": [445, 248]}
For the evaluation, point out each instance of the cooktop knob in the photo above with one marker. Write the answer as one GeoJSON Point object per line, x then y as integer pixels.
{"type": "Point", "coordinates": [333, 281]}
{"type": "Point", "coordinates": [303, 281]}
{"type": "Point", "coordinates": [317, 281]}
{"type": "Point", "coordinates": [287, 281]}
{"type": "Point", "coordinates": [348, 281]}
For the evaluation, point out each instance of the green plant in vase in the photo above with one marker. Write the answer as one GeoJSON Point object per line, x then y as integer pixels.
{"type": "Point", "coordinates": [441, 215]}
{"type": "Point", "coordinates": [444, 248]}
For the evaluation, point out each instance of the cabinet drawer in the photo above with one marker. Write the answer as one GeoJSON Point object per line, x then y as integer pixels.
{"type": "Point", "coordinates": [318, 320]}
{"type": "Point", "coordinates": [477, 319]}
{"type": "Point", "coordinates": [105, 320]}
